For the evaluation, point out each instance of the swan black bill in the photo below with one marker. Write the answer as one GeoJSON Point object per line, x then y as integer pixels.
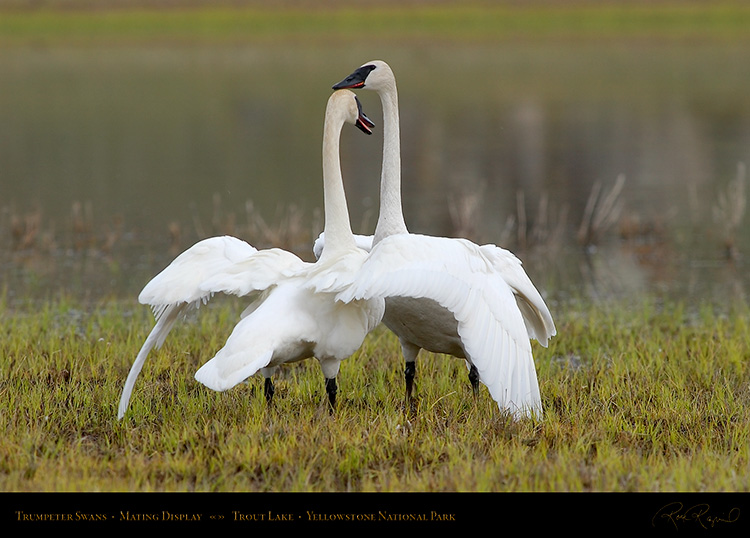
{"type": "Point", "coordinates": [364, 123]}
{"type": "Point", "coordinates": [356, 79]}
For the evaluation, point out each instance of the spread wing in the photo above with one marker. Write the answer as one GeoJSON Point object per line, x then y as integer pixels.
{"type": "Point", "coordinates": [460, 277]}
{"type": "Point", "coordinates": [536, 315]}
{"type": "Point", "coordinates": [222, 264]}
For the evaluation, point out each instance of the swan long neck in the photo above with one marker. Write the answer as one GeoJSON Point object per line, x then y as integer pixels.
{"type": "Point", "coordinates": [391, 217]}
{"type": "Point", "coordinates": [337, 228]}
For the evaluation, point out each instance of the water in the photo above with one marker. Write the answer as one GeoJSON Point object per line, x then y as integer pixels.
{"type": "Point", "coordinates": [113, 160]}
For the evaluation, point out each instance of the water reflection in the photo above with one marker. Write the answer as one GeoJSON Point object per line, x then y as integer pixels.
{"type": "Point", "coordinates": [114, 160]}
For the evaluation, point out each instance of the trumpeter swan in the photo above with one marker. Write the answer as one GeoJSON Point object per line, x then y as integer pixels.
{"type": "Point", "coordinates": [295, 315]}
{"type": "Point", "coordinates": [449, 295]}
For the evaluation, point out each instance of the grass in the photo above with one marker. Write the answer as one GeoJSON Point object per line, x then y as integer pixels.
{"type": "Point", "coordinates": [651, 398]}
{"type": "Point", "coordinates": [414, 21]}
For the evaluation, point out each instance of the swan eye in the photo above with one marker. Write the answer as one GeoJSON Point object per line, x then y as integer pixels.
{"type": "Point", "coordinates": [365, 70]}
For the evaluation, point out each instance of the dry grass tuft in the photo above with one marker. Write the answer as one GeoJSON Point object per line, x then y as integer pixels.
{"type": "Point", "coordinates": [729, 210]}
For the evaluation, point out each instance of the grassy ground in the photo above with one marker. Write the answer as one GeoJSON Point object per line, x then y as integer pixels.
{"type": "Point", "coordinates": [636, 399]}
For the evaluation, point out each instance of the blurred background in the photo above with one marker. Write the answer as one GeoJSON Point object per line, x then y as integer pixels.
{"type": "Point", "coordinates": [605, 143]}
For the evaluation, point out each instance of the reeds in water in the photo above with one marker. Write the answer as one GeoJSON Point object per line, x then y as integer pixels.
{"type": "Point", "coordinates": [729, 210]}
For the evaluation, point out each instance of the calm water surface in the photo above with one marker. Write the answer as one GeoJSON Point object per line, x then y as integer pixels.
{"type": "Point", "coordinates": [114, 160]}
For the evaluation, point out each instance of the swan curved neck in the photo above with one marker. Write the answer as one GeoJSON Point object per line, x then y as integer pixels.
{"type": "Point", "coordinates": [391, 217]}
{"type": "Point", "coordinates": [337, 228]}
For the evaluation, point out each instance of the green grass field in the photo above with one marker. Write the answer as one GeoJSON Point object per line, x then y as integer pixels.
{"type": "Point", "coordinates": [446, 22]}
{"type": "Point", "coordinates": [636, 399]}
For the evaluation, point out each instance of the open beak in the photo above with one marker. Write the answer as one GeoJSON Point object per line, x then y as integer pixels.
{"type": "Point", "coordinates": [364, 123]}
{"type": "Point", "coordinates": [356, 79]}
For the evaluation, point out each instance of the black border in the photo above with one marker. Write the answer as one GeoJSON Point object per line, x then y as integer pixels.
{"type": "Point", "coordinates": [657, 513]}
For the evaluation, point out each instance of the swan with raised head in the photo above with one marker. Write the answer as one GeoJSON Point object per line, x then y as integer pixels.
{"type": "Point", "coordinates": [295, 315]}
{"type": "Point", "coordinates": [448, 295]}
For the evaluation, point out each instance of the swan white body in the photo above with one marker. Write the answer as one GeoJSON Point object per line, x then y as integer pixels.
{"type": "Point", "coordinates": [362, 241]}
{"type": "Point", "coordinates": [295, 315]}
{"type": "Point", "coordinates": [449, 295]}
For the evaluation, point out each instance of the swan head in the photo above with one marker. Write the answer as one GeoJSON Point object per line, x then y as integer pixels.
{"type": "Point", "coordinates": [346, 102]}
{"type": "Point", "coordinates": [373, 75]}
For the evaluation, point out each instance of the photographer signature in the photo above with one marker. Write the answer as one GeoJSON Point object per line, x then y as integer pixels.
{"type": "Point", "coordinates": [676, 514]}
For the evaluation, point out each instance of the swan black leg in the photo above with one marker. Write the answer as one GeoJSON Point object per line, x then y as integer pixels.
{"type": "Point", "coordinates": [474, 379]}
{"type": "Point", "coordinates": [268, 390]}
{"type": "Point", "coordinates": [409, 372]}
{"type": "Point", "coordinates": [331, 389]}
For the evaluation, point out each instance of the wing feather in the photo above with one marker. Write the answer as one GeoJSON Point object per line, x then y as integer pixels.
{"type": "Point", "coordinates": [221, 264]}
{"type": "Point", "coordinates": [182, 280]}
{"type": "Point", "coordinates": [457, 274]}
{"type": "Point", "coordinates": [260, 271]}
{"type": "Point", "coordinates": [155, 339]}
{"type": "Point", "coordinates": [535, 313]}
{"type": "Point", "coordinates": [224, 371]}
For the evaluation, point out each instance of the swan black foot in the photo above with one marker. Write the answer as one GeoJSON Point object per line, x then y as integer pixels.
{"type": "Point", "coordinates": [474, 379]}
{"type": "Point", "coordinates": [268, 390]}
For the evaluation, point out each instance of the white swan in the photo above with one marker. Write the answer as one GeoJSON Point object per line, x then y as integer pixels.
{"type": "Point", "coordinates": [449, 295]}
{"type": "Point", "coordinates": [295, 315]}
